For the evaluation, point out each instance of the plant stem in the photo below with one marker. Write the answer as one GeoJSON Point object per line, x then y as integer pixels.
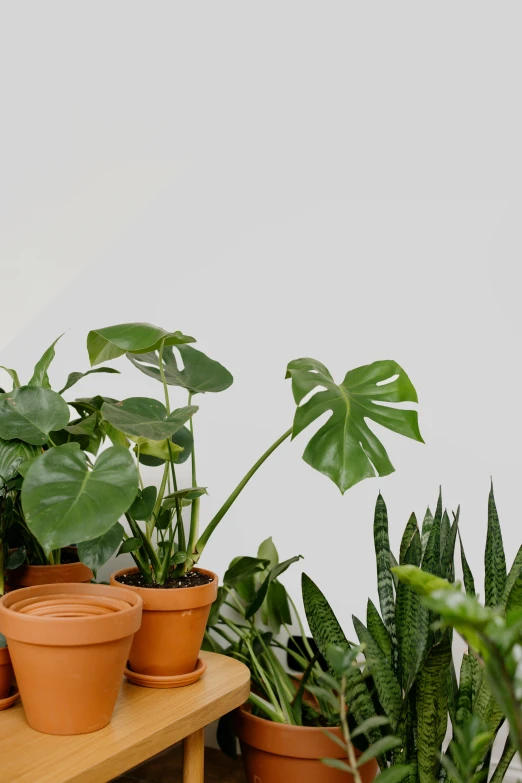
{"type": "Point", "coordinates": [163, 379]}
{"type": "Point", "coordinates": [212, 525]}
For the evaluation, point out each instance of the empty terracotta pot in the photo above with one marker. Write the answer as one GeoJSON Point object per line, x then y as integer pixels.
{"type": "Point", "coordinates": [69, 644]}
{"type": "Point", "coordinates": [172, 628]}
{"type": "Point", "coordinates": [6, 673]}
{"type": "Point", "coordinates": [31, 575]}
{"type": "Point", "coordinates": [278, 753]}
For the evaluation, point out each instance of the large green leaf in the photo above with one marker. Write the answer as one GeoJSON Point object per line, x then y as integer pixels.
{"type": "Point", "coordinates": [385, 584]}
{"type": "Point", "coordinates": [31, 413]}
{"type": "Point", "coordinates": [98, 551]}
{"type": "Point", "coordinates": [74, 377]}
{"type": "Point", "coordinates": [495, 559]}
{"type": "Point", "coordinates": [65, 502]}
{"type": "Point", "coordinates": [411, 618]}
{"type": "Point", "coordinates": [40, 377]}
{"type": "Point", "coordinates": [345, 449]}
{"type": "Point", "coordinates": [383, 674]}
{"type": "Point", "coordinates": [432, 709]}
{"type": "Point", "coordinates": [199, 373]}
{"type": "Point", "coordinates": [113, 341]}
{"type": "Point", "coordinates": [12, 454]}
{"type": "Point", "coordinates": [146, 418]}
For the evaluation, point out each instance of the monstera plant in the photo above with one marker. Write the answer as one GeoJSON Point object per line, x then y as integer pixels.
{"type": "Point", "coordinates": [161, 542]}
{"type": "Point", "coordinates": [53, 490]}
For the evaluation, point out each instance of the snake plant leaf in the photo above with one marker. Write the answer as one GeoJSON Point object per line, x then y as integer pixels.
{"type": "Point", "coordinates": [505, 760]}
{"type": "Point", "coordinates": [514, 573]}
{"type": "Point", "coordinates": [200, 374]}
{"type": "Point", "coordinates": [412, 620]}
{"type": "Point", "coordinates": [14, 453]}
{"type": "Point", "coordinates": [14, 376]}
{"type": "Point", "coordinates": [146, 418]}
{"type": "Point", "coordinates": [64, 501]}
{"type": "Point", "coordinates": [495, 559]}
{"type": "Point", "coordinates": [327, 633]}
{"type": "Point", "coordinates": [387, 685]}
{"type": "Point", "coordinates": [410, 531]}
{"type": "Point", "coordinates": [74, 377]}
{"type": "Point", "coordinates": [426, 528]}
{"type": "Point", "coordinates": [448, 551]}
{"type": "Point", "coordinates": [345, 449]}
{"type": "Point", "coordinates": [31, 413]}
{"type": "Point", "coordinates": [469, 582]}
{"type": "Point", "coordinates": [445, 531]}
{"type": "Point", "coordinates": [432, 708]}
{"type": "Point", "coordinates": [385, 582]}
{"type": "Point", "coordinates": [432, 553]}
{"type": "Point", "coordinates": [113, 341]}
{"type": "Point", "coordinates": [95, 553]}
{"type": "Point", "coordinates": [40, 377]}
{"type": "Point", "coordinates": [378, 630]}
{"type": "Point", "coordinates": [514, 598]}
{"type": "Point", "coordinates": [466, 693]}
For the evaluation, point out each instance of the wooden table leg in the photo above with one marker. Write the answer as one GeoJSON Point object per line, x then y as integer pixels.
{"type": "Point", "coordinates": [194, 757]}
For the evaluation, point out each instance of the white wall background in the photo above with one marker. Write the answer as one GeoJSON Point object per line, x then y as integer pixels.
{"type": "Point", "coordinates": [336, 180]}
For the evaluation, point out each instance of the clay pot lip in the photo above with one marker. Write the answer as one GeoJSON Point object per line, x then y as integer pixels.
{"type": "Point", "coordinates": [181, 598]}
{"type": "Point", "coordinates": [70, 631]}
{"type": "Point", "coordinates": [283, 739]}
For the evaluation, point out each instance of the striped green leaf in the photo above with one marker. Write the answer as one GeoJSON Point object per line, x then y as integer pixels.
{"type": "Point", "coordinates": [426, 528]}
{"type": "Point", "coordinates": [514, 572]}
{"type": "Point", "coordinates": [378, 630]}
{"type": "Point", "coordinates": [432, 709]}
{"type": "Point", "coordinates": [448, 552]}
{"type": "Point", "coordinates": [465, 697]}
{"type": "Point", "coordinates": [505, 760]}
{"type": "Point", "coordinates": [495, 560]}
{"type": "Point", "coordinates": [411, 617]}
{"type": "Point", "coordinates": [485, 706]}
{"type": "Point", "coordinates": [514, 598]}
{"type": "Point", "coordinates": [409, 531]}
{"type": "Point", "coordinates": [385, 583]}
{"type": "Point", "coordinates": [453, 693]}
{"type": "Point", "coordinates": [469, 582]}
{"type": "Point", "coordinates": [445, 530]}
{"type": "Point", "coordinates": [431, 557]}
{"type": "Point", "coordinates": [380, 667]}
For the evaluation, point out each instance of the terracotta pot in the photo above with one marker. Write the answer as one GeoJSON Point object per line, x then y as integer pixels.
{"type": "Point", "coordinates": [172, 628]}
{"type": "Point", "coordinates": [31, 575]}
{"type": "Point", "coordinates": [69, 645]}
{"type": "Point", "coordinates": [277, 753]}
{"type": "Point", "coordinates": [6, 673]}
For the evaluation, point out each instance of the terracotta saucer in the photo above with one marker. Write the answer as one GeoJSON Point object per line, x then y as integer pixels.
{"type": "Point", "coordinates": [10, 700]}
{"type": "Point", "coordinates": [172, 681]}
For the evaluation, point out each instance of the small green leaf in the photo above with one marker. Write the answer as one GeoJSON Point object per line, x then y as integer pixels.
{"type": "Point", "coordinates": [260, 596]}
{"type": "Point", "coordinates": [74, 377]}
{"type": "Point", "coordinates": [395, 774]}
{"type": "Point", "coordinates": [14, 376]}
{"type": "Point", "coordinates": [143, 504]}
{"type": "Point", "coordinates": [113, 341]}
{"type": "Point", "coordinates": [378, 749]}
{"type": "Point", "coordinates": [31, 414]}
{"type": "Point", "coordinates": [278, 607]}
{"type": "Point", "coordinates": [16, 558]}
{"type": "Point", "coordinates": [243, 567]}
{"type": "Point", "coordinates": [178, 558]}
{"type": "Point", "coordinates": [338, 764]}
{"type": "Point", "coordinates": [190, 493]}
{"type": "Point", "coordinates": [130, 545]}
{"type": "Point", "coordinates": [95, 553]}
{"type": "Point", "coordinates": [146, 417]}
{"type": "Point", "coordinates": [40, 377]}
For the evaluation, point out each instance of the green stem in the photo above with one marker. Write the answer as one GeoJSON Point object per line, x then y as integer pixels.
{"type": "Point", "coordinates": [203, 539]}
{"type": "Point", "coordinates": [163, 379]}
{"type": "Point", "coordinates": [267, 708]}
{"type": "Point", "coordinates": [159, 500]}
{"type": "Point", "coordinates": [346, 733]}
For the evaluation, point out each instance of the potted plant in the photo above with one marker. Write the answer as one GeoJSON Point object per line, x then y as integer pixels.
{"type": "Point", "coordinates": [291, 722]}
{"type": "Point", "coordinates": [45, 459]}
{"type": "Point", "coordinates": [409, 654]}
{"type": "Point", "coordinates": [166, 554]}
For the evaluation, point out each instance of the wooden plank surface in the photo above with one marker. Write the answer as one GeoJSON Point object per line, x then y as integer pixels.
{"type": "Point", "coordinates": [145, 722]}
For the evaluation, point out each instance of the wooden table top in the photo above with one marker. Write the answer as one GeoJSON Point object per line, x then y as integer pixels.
{"type": "Point", "coordinates": [145, 722]}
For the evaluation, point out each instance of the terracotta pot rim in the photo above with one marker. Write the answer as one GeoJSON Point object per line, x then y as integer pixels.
{"type": "Point", "coordinates": [69, 631]}
{"type": "Point", "coordinates": [178, 599]}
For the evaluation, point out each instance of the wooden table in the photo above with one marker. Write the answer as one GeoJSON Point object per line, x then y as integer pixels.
{"type": "Point", "coordinates": [145, 722]}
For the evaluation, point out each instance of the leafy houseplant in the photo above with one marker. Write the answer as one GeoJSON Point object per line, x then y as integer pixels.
{"type": "Point", "coordinates": [51, 493]}
{"type": "Point", "coordinates": [410, 656]}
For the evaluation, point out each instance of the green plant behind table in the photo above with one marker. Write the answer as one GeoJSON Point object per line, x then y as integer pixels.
{"type": "Point", "coordinates": [53, 490]}
{"type": "Point", "coordinates": [344, 448]}
{"type": "Point", "coordinates": [410, 655]}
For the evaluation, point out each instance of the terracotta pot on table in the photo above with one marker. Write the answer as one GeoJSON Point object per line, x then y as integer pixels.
{"type": "Point", "coordinates": [32, 575]}
{"type": "Point", "coordinates": [6, 673]}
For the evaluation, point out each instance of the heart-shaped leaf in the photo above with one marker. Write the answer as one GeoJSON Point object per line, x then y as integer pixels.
{"type": "Point", "coordinates": [64, 501]}
{"type": "Point", "coordinates": [200, 374]}
{"type": "Point", "coordinates": [143, 505]}
{"type": "Point", "coordinates": [40, 377]}
{"type": "Point", "coordinates": [146, 418]}
{"type": "Point", "coordinates": [13, 453]}
{"type": "Point", "coordinates": [130, 545]}
{"type": "Point", "coordinates": [113, 341]}
{"type": "Point", "coordinates": [98, 551]}
{"type": "Point", "coordinates": [74, 377]}
{"type": "Point", "coordinates": [31, 413]}
{"type": "Point", "coordinates": [344, 448]}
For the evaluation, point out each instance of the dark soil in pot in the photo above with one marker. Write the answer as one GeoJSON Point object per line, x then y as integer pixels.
{"type": "Point", "coordinates": [192, 579]}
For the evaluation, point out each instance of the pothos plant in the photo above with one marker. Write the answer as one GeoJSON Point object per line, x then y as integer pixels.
{"type": "Point", "coordinates": [408, 649]}
{"type": "Point", "coordinates": [53, 490]}
{"type": "Point", "coordinates": [344, 448]}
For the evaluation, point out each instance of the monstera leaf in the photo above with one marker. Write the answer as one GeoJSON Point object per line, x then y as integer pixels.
{"type": "Point", "coordinates": [199, 374]}
{"type": "Point", "coordinates": [345, 449]}
{"type": "Point", "coordinates": [146, 418]}
{"type": "Point", "coordinates": [12, 454]}
{"type": "Point", "coordinates": [114, 341]}
{"type": "Point", "coordinates": [31, 413]}
{"type": "Point", "coordinates": [64, 501]}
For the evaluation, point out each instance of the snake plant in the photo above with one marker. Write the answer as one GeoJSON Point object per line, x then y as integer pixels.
{"type": "Point", "coordinates": [409, 653]}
